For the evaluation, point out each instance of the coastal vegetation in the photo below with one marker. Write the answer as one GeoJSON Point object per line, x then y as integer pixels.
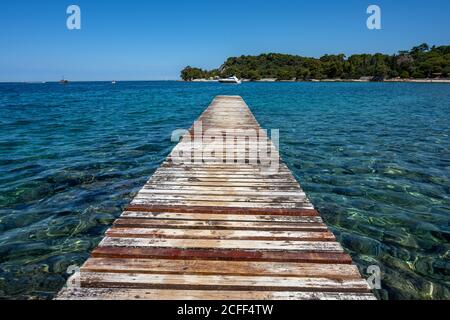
{"type": "Point", "coordinates": [420, 62]}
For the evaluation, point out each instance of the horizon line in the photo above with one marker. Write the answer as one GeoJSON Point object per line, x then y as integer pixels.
{"type": "Point", "coordinates": [74, 81]}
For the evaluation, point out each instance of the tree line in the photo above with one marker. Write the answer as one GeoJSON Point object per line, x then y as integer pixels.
{"type": "Point", "coordinates": [420, 62]}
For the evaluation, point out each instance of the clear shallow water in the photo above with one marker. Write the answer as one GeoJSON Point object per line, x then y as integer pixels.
{"type": "Point", "coordinates": [373, 158]}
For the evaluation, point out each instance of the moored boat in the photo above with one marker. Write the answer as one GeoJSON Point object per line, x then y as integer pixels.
{"type": "Point", "coordinates": [63, 81]}
{"type": "Point", "coordinates": [232, 79]}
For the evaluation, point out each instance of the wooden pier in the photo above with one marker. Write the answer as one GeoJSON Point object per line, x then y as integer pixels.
{"type": "Point", "coordinates": [208, 228]}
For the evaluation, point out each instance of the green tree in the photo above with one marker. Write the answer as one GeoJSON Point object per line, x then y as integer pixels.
{"type": "Point", "coordinates": [419, 62]}
{"type": "Point", "coordinates": [404, 75]}
{"type": "Point", "coordinates": [189, 73]}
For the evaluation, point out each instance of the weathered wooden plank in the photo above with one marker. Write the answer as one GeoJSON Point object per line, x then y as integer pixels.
{"type": "Point", "coordinates": [150, 195]}
{"type": "Point", "coordinates": [259, 245]}
{"type": "Point", "coordinates": [213, 184]}
{"type": "Point", "coordinates": [219, 225]}
{"type": "Point", "coordinates": [160, 188]}
{"type": "Point", "coordinates": [248, 195]}
{"type": "Point", "coordinates": [152, 294]}
{"type": "Point", "coordinates": [226, 154]}
{"type": "Point", "coordinates": [221, 183]}
{"type": "Point", "coordinates": [225, 167]}
{"type": "Point", "coordinates": [232, 168]}
{"type": "Point", "coordinates": [222, 179]}
{"type": "Point", "coordinates": [220, 217]}
{"type": "Point", "coordinates": [224, 172]}
{"type": "Point", "coordinates": [219, 234]}
{"type": "Point", "coordinates": [207, 161]}
{"type": "Point", "coordinates": [206, 203]}
{"type": "Point", "coordinates": [223, 193]}
{"type": "Point", "coordinates": [227, 143]}
{"type": "Point", "coordinates": [225, 210]}
{"type": "Point", "coordinates": [219, 282]}
{"type": "Point", "coordinates": [221, 254]}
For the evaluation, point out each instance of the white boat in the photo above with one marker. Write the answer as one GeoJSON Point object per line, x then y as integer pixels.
{"type": "Point", "coordinates": [114, 82]}
{"type": "Point", "coordinates": [232, 79]}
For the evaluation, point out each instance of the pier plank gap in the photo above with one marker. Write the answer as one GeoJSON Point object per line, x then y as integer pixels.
{"type": "Point", "coordinates": [219, 231]}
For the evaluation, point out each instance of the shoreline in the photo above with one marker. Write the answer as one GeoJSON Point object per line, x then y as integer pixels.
{"type": "Point", "coordinates": [245, 80]}
{"type": "Point", "coordinates": [336, 80]}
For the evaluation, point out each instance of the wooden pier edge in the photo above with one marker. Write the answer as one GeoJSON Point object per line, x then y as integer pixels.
{"type": "Point", "coordinates": [208, 228]}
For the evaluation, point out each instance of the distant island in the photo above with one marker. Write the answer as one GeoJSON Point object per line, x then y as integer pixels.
{"type": "Point", "coordinates": [421, 62]}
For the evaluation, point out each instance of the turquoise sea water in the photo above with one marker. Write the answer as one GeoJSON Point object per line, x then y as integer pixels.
{"type": "Point", "coordinates": [373, 158]}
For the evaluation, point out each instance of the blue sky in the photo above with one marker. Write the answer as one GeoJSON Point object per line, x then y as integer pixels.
{"type": "Point", "coordinates": [147, 40]}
